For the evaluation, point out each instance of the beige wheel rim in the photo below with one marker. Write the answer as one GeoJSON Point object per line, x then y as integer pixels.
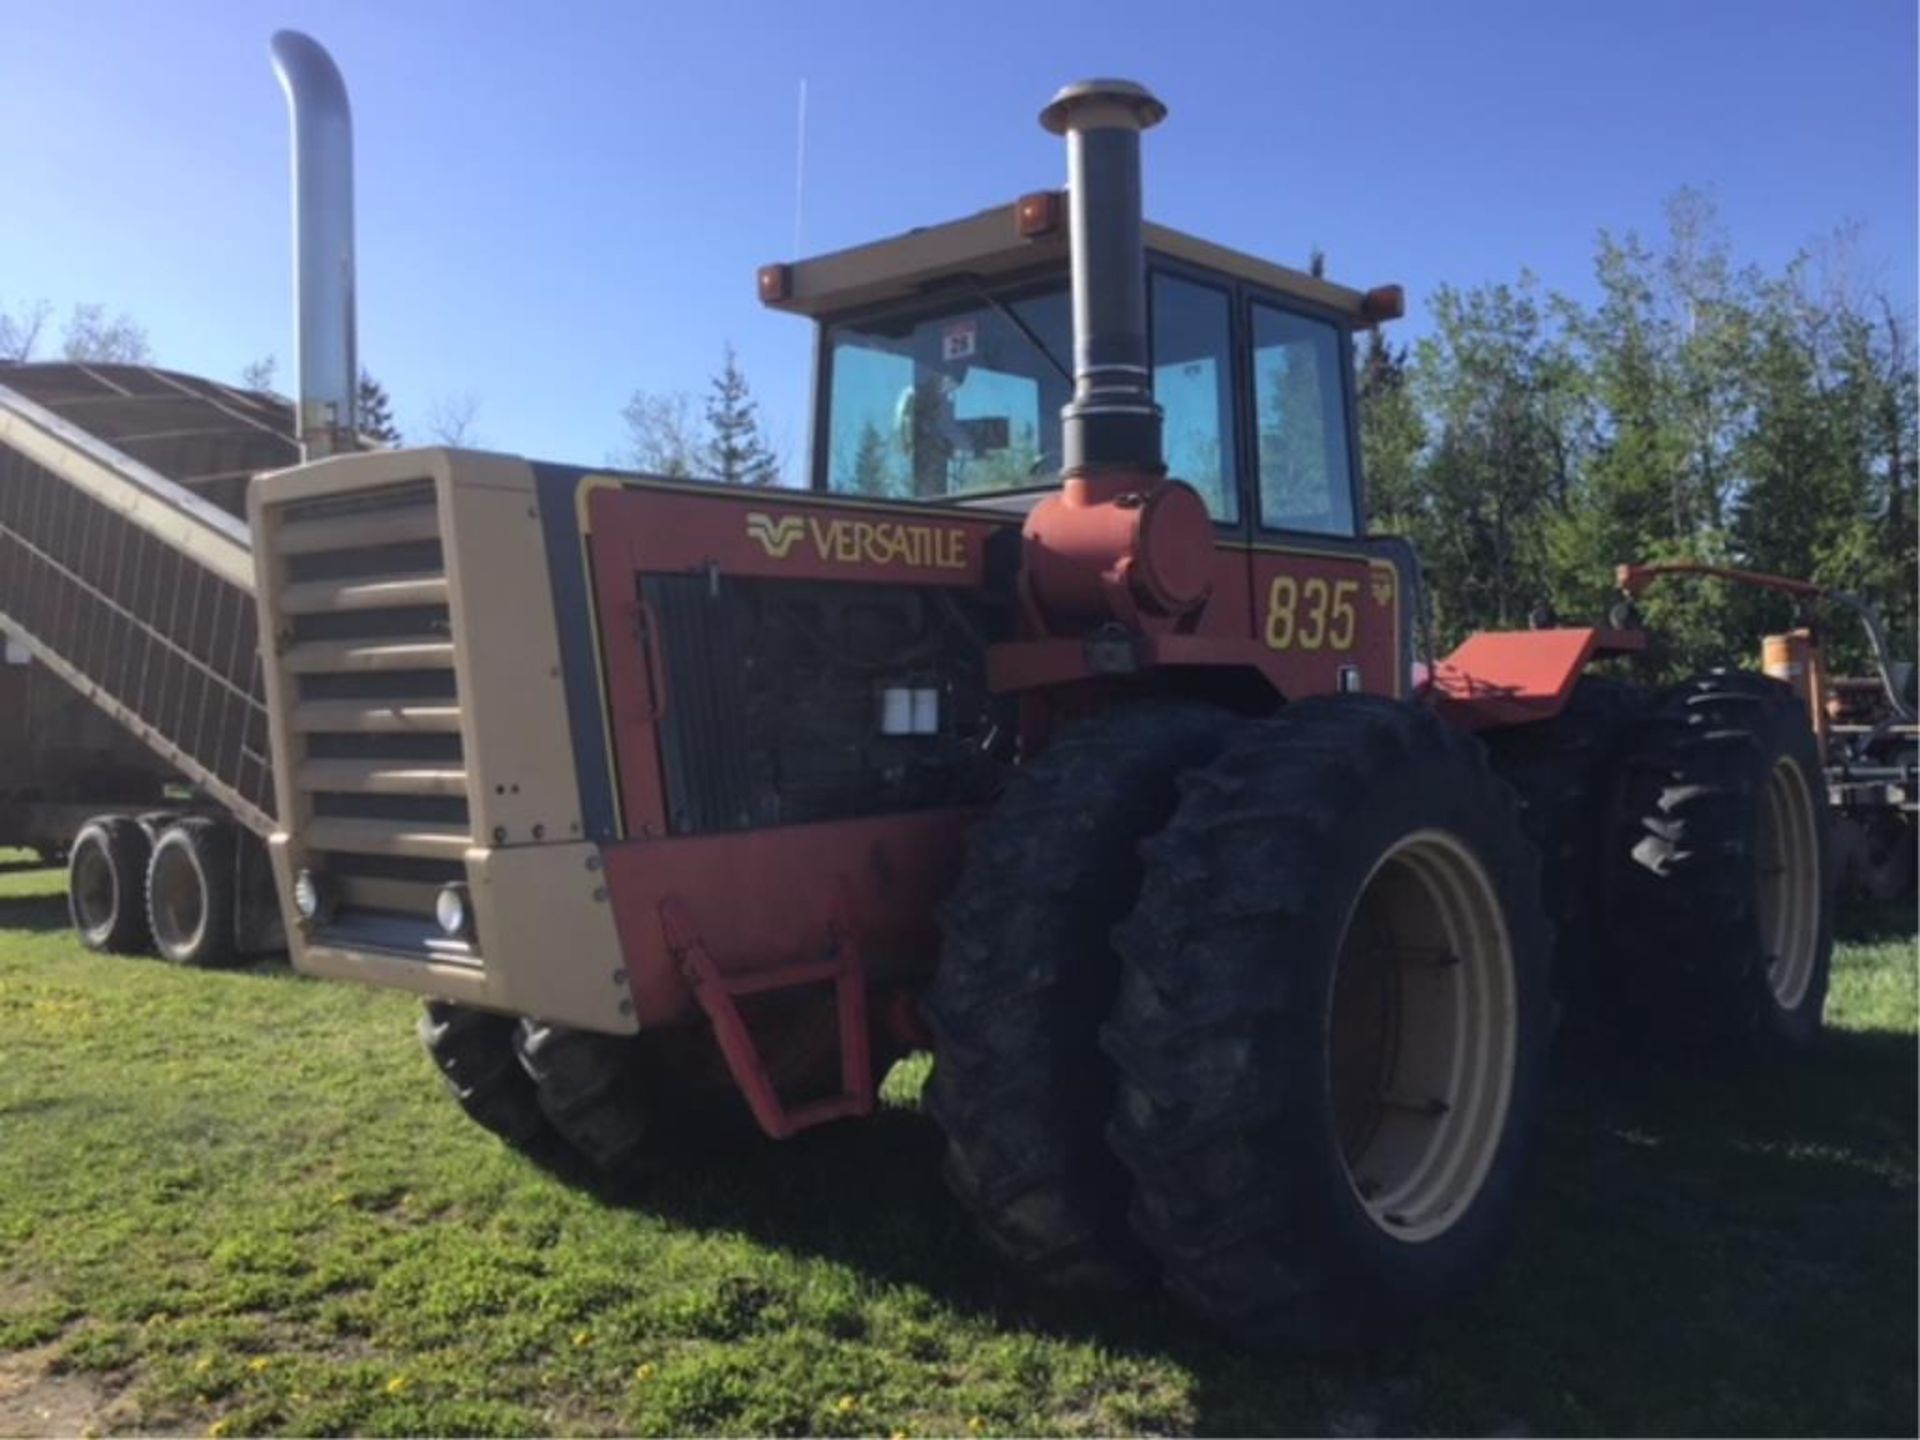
{"type": "Point", "coordinates": [1789, 864]}
{"type": "Point", "coordinates": [1422, 1036]}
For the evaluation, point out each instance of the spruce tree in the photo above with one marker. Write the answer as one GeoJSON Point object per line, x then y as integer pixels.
{"type": "Point", "coordinates": [375, 417]}
{"type": "Point", "coordinates": [736, 452]}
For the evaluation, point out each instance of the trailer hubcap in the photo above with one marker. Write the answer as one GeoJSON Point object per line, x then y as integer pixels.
{"type": "Point", "coordinates": [1422, 1036]}
{"type": "Point", "coordinates": [1789, 861]}
{"type": "Point", "coordinates": [178, 899]}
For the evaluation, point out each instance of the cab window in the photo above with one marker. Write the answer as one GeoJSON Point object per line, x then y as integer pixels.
{"type": "Point", "coordinates": [962, 403]}
{"type": "Point", "coordinates": [1192, 382]}
{"type": "Point", "coordinates": [1306, 476]}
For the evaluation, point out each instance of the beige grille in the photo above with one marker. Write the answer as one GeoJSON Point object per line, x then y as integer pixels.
{"type": "Point", "coordinates": [366, 649]}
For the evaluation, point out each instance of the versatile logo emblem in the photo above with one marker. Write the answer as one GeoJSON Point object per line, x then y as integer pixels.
{"type": "Point", "coordinates": [1385, 580]}
{"type": "Point", "coordinates": [846, 541]}
{"type": "Point", "coordinates": [776, 537]}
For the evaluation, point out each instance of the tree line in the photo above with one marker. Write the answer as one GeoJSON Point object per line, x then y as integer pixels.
{"type": "Point", "coordinates": [1696, 409]}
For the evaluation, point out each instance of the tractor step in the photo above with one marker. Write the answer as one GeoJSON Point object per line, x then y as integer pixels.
{"type": "Point", "coordinates": [717, 991]}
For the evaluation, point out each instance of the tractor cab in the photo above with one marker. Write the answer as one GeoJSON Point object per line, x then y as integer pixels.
{"type": "Point", "coordinates": [946, 357]}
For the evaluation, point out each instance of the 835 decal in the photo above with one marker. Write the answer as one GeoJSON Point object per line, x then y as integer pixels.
{"type": "Point", "coordinates": [1311, 614]}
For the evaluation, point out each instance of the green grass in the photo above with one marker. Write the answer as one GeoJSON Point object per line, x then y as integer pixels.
{"type": "Point", "coordinates": [240, 1202]}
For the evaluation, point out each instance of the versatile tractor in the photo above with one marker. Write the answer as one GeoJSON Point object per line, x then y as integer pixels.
{"type": "Point", "coordinates": [1070, 724]}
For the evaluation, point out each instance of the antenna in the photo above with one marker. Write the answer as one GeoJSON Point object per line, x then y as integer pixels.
{"type": "Point", "coordinates": [800, 171]}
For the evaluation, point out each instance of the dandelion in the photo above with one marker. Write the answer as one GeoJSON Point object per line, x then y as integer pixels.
{"type": "Point", "coordinates": [976, 1425]}
{"type": "Point", "coordinates": [203, 1364]}
{"type": "Point", "coordinates": [217, 1429]}
{"type": "Point", "coordinates": [259, 1363]}
{"type": "Point", "coordinates": [398, 1385]}
{"type": "Point", "coordinates": [898, 1435]}
{"type": "Point", "coordinates": [645, 1372]}
{"type": "Point", "coordinates": [847, 1405]}
{"type": "Point", "coordinates": [582, 1338]}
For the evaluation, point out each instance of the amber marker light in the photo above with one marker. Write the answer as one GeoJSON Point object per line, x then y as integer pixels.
{"type": "Point", "coordinates": [1037, 214]}
{"type": "Point", "coordinates": [1383, 302]}
{"type": "Point", "coordinates": [776, 283]}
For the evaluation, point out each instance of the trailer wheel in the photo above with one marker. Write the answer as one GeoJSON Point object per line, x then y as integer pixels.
{"type": "Point", "coordinates": [1027, 973]}
{"type": "Point", "coordinates": [1332, 1025]}
{"type": "Point", "coordinates": [1562, 771]}
{"type": "Point", "coordinates": [190, 893]}
{"type": "Point", "coordinates": [107, 885]}
{"type": "Point", "coordinates": [1721, 869]}
{"type": "Point", "coordinates": [474, 1052]}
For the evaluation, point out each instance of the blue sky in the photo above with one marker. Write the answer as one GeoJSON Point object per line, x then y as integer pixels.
{"type": "Point", "coordinates": [560, 202]}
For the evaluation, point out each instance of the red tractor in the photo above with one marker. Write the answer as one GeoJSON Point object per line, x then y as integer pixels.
{"type": "Point", "coordinates": [1069, 723]}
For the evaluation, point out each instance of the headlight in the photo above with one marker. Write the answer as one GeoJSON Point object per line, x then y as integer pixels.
{"type": "Point", "coordinates": [310, 897]}
{"type": "Point", "coordinates": [454, 910]}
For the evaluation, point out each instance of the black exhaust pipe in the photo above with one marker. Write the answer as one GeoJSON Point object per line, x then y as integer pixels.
{"type": "Point", "coordinates": [1112, 422]}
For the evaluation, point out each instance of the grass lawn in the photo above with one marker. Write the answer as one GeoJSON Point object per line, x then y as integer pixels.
{"type": "Point", "coordinates": [240, 1203]}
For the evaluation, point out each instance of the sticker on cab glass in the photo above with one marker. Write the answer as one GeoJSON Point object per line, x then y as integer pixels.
{"type": "Point", "coordinates": [959, 340]}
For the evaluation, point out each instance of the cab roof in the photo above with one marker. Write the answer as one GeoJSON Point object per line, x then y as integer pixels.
{"type": "Point", "coordinates": [989, 245]}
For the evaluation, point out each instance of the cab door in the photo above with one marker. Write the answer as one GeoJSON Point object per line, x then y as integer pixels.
{"type": "Point", "coordinates": [1329, 604]}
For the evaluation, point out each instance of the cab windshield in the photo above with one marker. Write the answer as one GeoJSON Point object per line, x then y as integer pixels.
{"type": "Point", "coordinates": [963, 402]}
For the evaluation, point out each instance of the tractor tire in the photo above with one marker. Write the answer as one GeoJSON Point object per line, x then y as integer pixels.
{"type": "Point", "coordinates": [631, 1105]}
{"type": "Point", "coordinates": [593, 1091]}
{"type": "Point", "coordinates": [190, 893]}
{"type": "Point", "coordinates": [1562, 771]}
{"type": "Point", "coordinates": [1333, 1026]}
{"type": "Point", "coordinates": [107, 885]}
{"type": "Point", "coordinates": [1026, 975]}
{"type": "Point", "coordinates": [474, 1053]}
{"type": "Point", "coordinates": [1721, 870]}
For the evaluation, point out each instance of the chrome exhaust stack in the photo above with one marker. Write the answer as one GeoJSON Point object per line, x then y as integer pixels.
{"type": "Point", "coordinates": [1112, 422]}
{"type": "Point", "coordinates": [329, 370]}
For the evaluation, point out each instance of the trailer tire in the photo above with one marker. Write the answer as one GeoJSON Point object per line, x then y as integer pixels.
{"type": "Point", "coordinates": [474, 1052]}
{"type": "Point", "coordinates": [1562, 772]}
{"type": "Point", "coordinates": [107, 885]}
{"type": "Point", "coordinates": [1026, 975]}
{"type": "Point", "coordinates": [1721, 870]}
{"type": "Point", "coordinates": [190, 893]}
{"type": "Point", "coordinates": [1332, 1026]}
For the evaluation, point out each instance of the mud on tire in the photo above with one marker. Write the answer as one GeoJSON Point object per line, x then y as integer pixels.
{"type": "Point", "coordinates": [1027, 973]}
{"type": "Point", "coordinates": [1332, 1025]}
{"type": "Point", "coordinates": [1721, 872]}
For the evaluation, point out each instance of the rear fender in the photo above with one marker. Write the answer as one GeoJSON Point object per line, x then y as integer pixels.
{"type": "Point", "coordinates": [1516, 677]}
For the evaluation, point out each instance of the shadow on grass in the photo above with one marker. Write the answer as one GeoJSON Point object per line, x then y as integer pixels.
{"type": "Point", "coordinates": [36, 913]}
{"type": "Point", "coordinates": [1724, 1250]}
{"type": "Point", "coordinates": [1885, 922]}
{"type": "Point", "coordinates": [47, 914]}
